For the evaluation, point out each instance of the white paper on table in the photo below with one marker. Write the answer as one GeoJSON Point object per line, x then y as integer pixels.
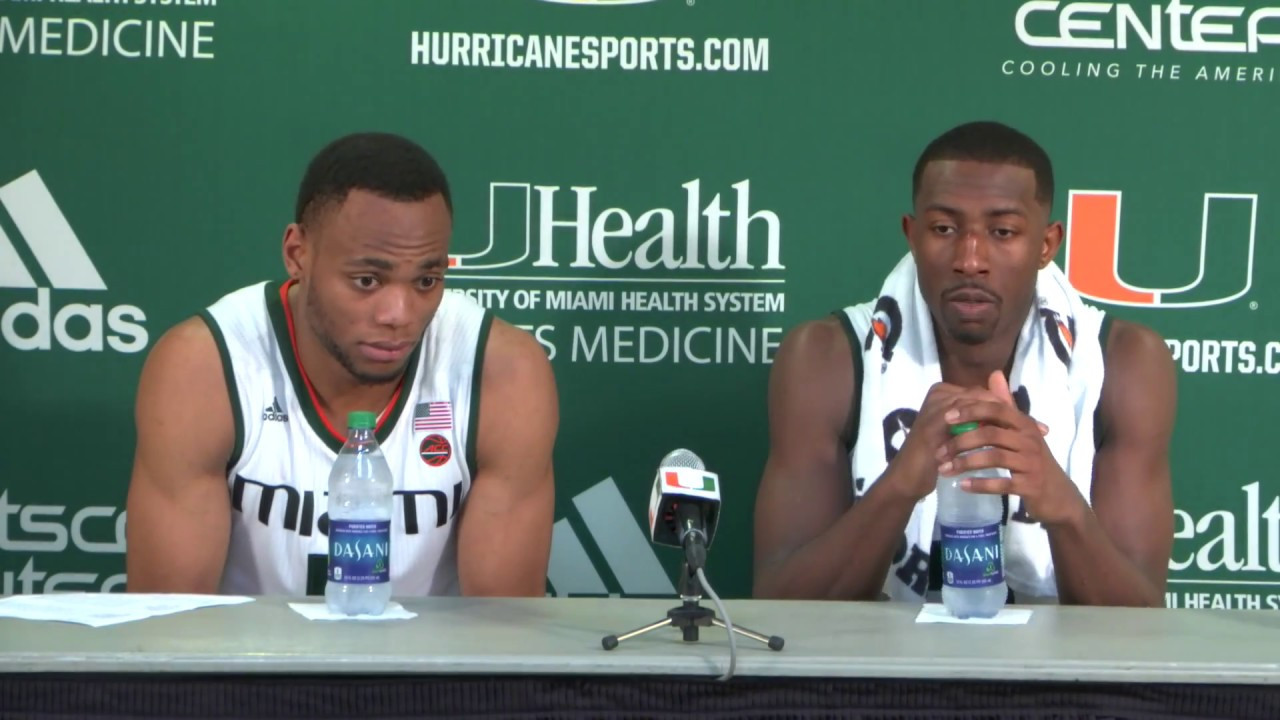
{"type": "Point", "coordinates": [102, 609]}
{"type": "Point", "coordinates": [320, 611]}
{"type": "Point", "coordinates": [936, 613]}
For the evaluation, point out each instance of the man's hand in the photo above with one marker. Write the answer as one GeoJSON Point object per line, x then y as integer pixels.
{"type": "Point", "coordinates": [914, 470]}
{"type": "Point", "coordinates": [1016, 443]}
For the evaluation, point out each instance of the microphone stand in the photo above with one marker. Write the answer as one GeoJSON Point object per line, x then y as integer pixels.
{"type": "Point", "coordinates": [689, 616]}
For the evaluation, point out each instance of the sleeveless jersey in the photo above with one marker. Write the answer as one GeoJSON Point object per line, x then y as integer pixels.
{"type": "Point", "coordinates": [1033, 558]}
{"type": "Point", "coordinates": [278, 474]}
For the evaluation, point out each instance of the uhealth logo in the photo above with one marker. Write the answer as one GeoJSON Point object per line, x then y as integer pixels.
{"type": "Point", "coordinates": [65, 264]}
{"type": "Point", "coordinates": [1228, 227]}
{"type": "Point", "coordinates": [546, 226]}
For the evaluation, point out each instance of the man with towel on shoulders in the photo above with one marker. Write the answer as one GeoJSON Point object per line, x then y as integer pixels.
{"type": "Point", "coordinates": [976, 323]}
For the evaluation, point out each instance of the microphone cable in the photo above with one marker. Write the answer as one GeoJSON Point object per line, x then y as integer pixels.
{"type": "Point", "coordinates": [728, 625]}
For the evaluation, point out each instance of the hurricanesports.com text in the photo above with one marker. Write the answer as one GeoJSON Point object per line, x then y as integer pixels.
{"type": "Point", "coordinates": [588, 52]}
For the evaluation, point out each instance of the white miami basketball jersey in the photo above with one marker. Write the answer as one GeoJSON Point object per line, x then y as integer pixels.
{"type": "Point", "coordinates": [279, 470]}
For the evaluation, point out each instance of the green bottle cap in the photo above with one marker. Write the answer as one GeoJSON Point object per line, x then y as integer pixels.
{"type": "Point", "coordinates": [362, 420]}
{"type": "Point", "coordinates": [963, 428]}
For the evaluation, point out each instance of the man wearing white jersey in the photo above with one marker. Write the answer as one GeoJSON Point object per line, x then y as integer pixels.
{"type": "Point", "coordinates": [975, 324]}
{"type": "Point", "coordinates": [240, 411]}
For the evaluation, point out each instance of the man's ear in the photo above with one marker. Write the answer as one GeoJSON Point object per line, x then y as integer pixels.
{"type": "Point", "coordinates": [296, 250]}
{"type": "Point", "coordinates": [1052, 241]}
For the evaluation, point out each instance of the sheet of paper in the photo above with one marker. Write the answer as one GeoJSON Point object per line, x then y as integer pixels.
{"type": "Point", "coordinates": [320, 611]}
{"type": "Point", "coordinates": [102, 609]}
{"type": "Point", "coordinates": [936, 613]}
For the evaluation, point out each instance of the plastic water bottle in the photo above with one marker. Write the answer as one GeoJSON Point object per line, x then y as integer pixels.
{"type": "Point", "coordinates": [360, 504]}
{"type": "Point", "coordinates": [972, 546]}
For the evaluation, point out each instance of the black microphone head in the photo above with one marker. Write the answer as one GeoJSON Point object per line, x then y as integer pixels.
{"type": "Point", "coordinates": [682, 458]}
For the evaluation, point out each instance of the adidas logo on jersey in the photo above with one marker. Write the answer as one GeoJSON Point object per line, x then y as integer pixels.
{"type": "Point", "coordinates": [274, 413]}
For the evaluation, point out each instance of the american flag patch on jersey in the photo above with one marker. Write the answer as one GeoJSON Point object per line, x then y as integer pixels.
{"type": "Point", "coordinates": [433, 416]}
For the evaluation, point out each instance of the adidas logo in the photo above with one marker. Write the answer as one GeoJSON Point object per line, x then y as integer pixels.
{"type": "Point", "coordinates": [60, 257]}
{"type": "Point", "coordinates": [623, 550]}
{"type": "Point", "coordinates": [274, 413]}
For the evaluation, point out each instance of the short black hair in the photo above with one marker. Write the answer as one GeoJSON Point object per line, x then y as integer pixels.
{"type": "Point", "coordinates": [384, 164]}
{"type": "Point", "coordinates": [989, 142]}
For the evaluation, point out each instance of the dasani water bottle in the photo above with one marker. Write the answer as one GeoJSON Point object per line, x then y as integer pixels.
{"type": "Point", "coordinates": [360, 503]}
{"type": "Point", "coordinates": [972, 546]}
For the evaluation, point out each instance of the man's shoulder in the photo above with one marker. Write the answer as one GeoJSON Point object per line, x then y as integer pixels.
{"type": "Point", "coordinates": [819, 337]}
{"type": "Point", "coordinates": [186, 358]}
{"type": "Point", "coordinates": [249, 325]}
{"type": "Point", "coordinates": [821, 347]}
{"type": "Point", "coordinates": [183, 382]}
{"type": "Point", "coordinates": [190, 340]}
{"type": "Point", "coordinates": [1139, 388]}
{"type": "Point", "coordinates": [519, 406]}
{"type": "Point", "coordinates": [197, 345]}
{"type": "Point", "coordinates": [198, 352]}
{"type": "Point", "coordinates": [816, 372]}
{"type": "Point", "coordinates": [1132, 346]}
{"type": "Point", "coordinates": [511, 344]}
{"type": "Point", "coordinates": [514, 362]}
{"type": "Point", "coordinates": [243, 298]}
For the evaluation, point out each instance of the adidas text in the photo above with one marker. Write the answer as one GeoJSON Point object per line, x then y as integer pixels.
{"type": "Point", "coordinates": [67, 326]}
{"type": "Point", "coordinates": [274, 413]}
{"type": "Point", "coordinates": [59, 254]}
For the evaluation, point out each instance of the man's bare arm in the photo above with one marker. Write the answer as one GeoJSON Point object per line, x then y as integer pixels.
{"type": "Point", "coordinates": [810, 540]}
{"type": "Point", "coordinates": [504, 539]}
{"type": "Point", "coordinates": [1118, 554]}
{"type": "Point", "coordinates": [179, 514]}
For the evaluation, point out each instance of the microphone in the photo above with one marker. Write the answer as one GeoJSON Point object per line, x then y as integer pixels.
{"type": "Point", "coordinates": [684, 507]}
{"type": "Point", "coordinates": [683, 512]}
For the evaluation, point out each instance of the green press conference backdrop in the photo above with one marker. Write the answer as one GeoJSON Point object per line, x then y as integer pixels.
{"type": "Point", "coordinates": [657, 190]}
